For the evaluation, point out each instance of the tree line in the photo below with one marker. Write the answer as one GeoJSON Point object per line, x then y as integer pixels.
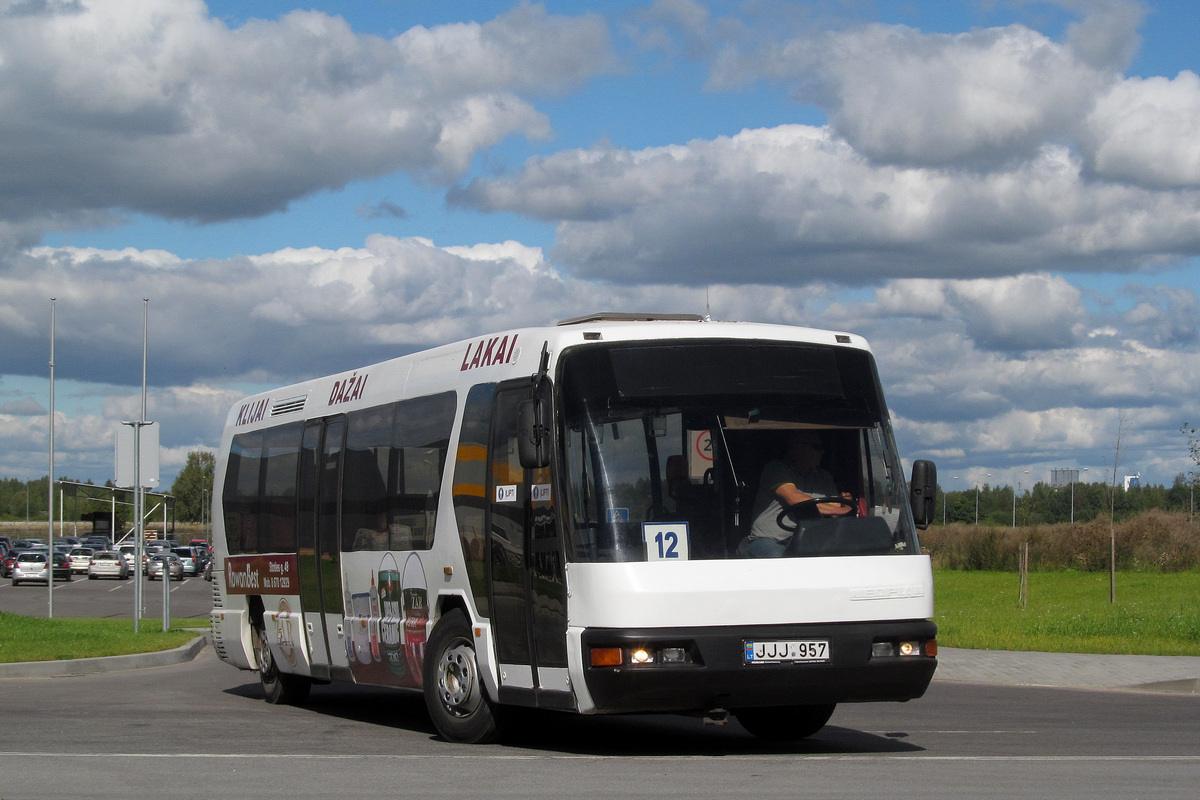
{"type": "Point", "coordinates": [29, 499]}
{"type": "Point", "coordinates": [1043, 504]}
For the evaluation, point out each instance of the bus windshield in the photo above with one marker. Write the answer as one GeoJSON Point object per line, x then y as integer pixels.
{"type": "Point", "coordinates": [678, 438]}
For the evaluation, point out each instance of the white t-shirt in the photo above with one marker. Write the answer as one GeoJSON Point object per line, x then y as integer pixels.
{"type": "Point", "coordinates": [767, 504]}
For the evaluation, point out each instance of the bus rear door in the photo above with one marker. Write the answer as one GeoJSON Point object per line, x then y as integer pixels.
{"type": "Point", "coordinates": [319, 546]}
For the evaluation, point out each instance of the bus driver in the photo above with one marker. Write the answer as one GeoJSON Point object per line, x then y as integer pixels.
{"type": "Point", "coordinates": [796, 477]}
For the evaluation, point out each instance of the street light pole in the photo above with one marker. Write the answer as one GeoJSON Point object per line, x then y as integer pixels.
{"type": "Point", "coordinates": [50, 479]}
{"type": "Point", "coordinates": [1015, 490]}
{"type": "Point", "coordinates": [944, 499]}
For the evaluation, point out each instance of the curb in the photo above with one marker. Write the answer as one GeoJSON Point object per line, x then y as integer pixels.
{"type": "Point", "coordinates": [91, 666]}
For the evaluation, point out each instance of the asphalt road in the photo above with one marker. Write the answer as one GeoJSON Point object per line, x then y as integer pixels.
{"type": "Point", "coordinates": [201, 729]}
{"type": "Point", "coordinates": [80, 597]}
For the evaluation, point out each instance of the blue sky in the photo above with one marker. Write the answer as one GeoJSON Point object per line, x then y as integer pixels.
{"type": "Point", "coordinates": [1004, 197]}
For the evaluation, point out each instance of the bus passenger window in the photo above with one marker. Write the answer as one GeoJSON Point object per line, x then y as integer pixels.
{"type": "Point", "coordinates": [364, 488]}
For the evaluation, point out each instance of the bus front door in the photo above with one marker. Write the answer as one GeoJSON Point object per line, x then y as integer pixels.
{"type": "Point", "coordinates": [319, 545]}
{"type": "Point", "coordinates": [525, 569]}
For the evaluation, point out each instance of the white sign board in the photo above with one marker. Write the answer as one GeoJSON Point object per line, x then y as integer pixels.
{"type": "Point", "coordinates": [125, 456]}
{"type": "Point", "coordinates": [666, 541]}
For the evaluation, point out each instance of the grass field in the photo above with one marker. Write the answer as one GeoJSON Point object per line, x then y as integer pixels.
{"type": "Point", "coordinates": [1070, 612]}
{"type": "Point", "coordinates": [35, 639]}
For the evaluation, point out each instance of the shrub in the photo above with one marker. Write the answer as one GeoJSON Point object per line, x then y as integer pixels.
{"type": "Point", "coordinates": [1154, 541]}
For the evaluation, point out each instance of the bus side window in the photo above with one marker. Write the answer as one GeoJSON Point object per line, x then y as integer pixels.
{"type": "Point", "coordinates": [240, 493]}
{"type": "Point", "coordinates": [420, 445]}
{"type": "Point", "coordinates": [470, 487]}
{"type": "Point", "coordinates": [364, 488]}
{"type": "Point", "coordinates": [259, 496]}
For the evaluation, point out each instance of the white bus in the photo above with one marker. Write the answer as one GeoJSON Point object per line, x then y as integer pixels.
{"type": "Point", "coordinates": [557, 518]}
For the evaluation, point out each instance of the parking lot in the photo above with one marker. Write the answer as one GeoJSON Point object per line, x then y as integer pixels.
{"type": "Point", "coordinates": [190, 598]}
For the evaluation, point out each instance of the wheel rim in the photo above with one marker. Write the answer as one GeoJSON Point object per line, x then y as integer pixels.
{"type": "Point", "coordinates": [266, 665]}
{"type": "Point", "coordinates": [457, 681]}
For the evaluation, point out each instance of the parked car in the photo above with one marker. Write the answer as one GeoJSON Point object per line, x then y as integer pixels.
{"type": "Point", "coordinates": [155, 566]}
{"type": "Point", "coordinates": [108, 564]}
{"type": "Point", "coordinates": [80, 558]}
{"type": "Point", "coordinates": [10, 559]}
{"type": "Point", "coordinates": [191, 566]}
{"type": "Point", "coordinates": [129, 553]}
{"type": "Point", "coordinates": [97, 544]}
{"type": "Point", "coordinates": [32, 566]}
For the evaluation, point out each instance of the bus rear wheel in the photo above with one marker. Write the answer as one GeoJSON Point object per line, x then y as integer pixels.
{"type": "Point", "coordinates": [785, 724]}
{"type": "Point", "coordinates": [454, 694]}
{"type": "Point", "coordinates": [279, 688]}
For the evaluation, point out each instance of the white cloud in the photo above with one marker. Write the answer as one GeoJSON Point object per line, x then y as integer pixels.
{"type": "Point", "coordinates": [26, 407]}
{"type": "Point", "coordinates": [1034, 311]}
{"type": "Point", "coordinates": [796, 203]}
{"type": "Point", "coordinates": [994, 372]}
{"type": "Point", "coordinates": [154, 106]}
{"type": "Point", "coordinates": [960, 178]}
{"type": "Point", "coordinates": [1143, 130]}
{"type": "Point", "coordinates": [902, 96]}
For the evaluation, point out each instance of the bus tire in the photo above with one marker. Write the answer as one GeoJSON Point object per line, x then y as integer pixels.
{"type": "Point", "coordinates": [785, 724]}
{"type": "Point", "coordinates": [279, 688]}
{"type": "Point", "coordinates": [454, 694]}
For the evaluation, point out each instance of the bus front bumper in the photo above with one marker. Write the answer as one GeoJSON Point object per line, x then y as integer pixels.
{"type": "Point", "coordinates": [699, 669]}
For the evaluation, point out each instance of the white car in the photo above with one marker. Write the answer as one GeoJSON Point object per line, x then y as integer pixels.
{"type": "Point", "coordinates": [107, 564]}
{"type": "Point", "coordinates": [128, 552]}
{"type": "Point", "coordinates": [80, 558]}
{"type": "Point", "coordinates": [155, 567]}
{"type": "Point", "coordinates": [31, 566]}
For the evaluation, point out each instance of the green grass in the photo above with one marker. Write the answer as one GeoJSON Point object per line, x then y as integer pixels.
{"type": "Point", "coordinates": [37, 639]}
{"type": "Point", "coordinates": [1070, 612]}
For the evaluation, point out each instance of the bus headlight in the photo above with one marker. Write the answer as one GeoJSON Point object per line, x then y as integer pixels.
{"type": "Point", "coordinates": [641, 656]}
{"type": "Point", "coordinates": [674, 655]}
{"type": "Point", "coordinates": [905, 649]}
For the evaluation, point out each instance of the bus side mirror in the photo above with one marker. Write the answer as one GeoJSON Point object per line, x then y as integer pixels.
{"type": "Point", "coordinates": [922, 491]}
{"type": "Point", "coordinates": [533, 434]}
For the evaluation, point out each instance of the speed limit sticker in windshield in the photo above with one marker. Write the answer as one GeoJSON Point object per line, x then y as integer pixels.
{"type": "Point", "coordinates": [790, 651]}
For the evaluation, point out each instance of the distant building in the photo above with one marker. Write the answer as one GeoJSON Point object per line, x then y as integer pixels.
{"type": "Point", "coordinates": [1132, 480]}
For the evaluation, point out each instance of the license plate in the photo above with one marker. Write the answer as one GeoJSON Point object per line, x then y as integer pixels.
{"type": "Point", "coordinates": [789, 651]}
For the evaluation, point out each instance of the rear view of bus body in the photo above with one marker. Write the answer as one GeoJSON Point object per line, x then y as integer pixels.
{"type": "Point", "coordinates": [561, 517]}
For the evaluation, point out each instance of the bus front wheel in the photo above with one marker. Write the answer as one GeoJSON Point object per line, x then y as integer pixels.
{"type": "Point", "coordinates": [785, 724]}
{"type": "Point", "coordinates": [454, 694]}
{"type": "Point", "coordinates": [279, 688]}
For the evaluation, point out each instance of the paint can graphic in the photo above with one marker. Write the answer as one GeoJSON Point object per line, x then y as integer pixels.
{"type": "Point", "coordinates": [359, 640]}
{"type": "Point", "coordinates": [372, 618]}
{"type": "Point", "coordinates": [389, 621]}
{"type": "Point", "coordinates": [416, 615]}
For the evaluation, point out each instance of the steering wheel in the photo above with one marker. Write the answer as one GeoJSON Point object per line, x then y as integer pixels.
{"type": "Point", "coordinates": [789, 517]}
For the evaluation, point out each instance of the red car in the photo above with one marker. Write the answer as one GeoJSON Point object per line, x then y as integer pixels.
{"type": "Point", "coordinates": [6, 563]}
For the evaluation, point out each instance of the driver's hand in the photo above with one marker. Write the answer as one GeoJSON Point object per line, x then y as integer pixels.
{"type": "Point", "coordinates": [835, 509]}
